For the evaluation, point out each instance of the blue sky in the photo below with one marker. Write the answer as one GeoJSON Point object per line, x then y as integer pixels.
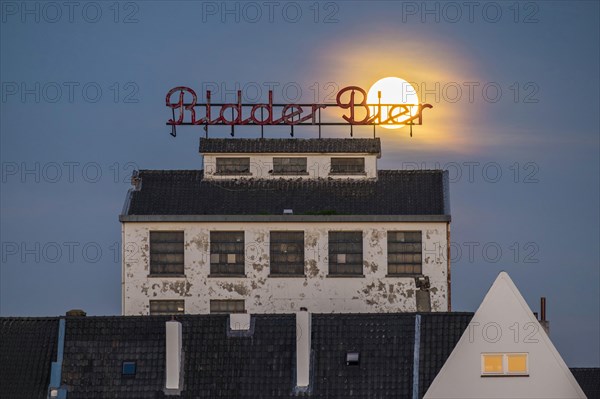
{"type": "Point", "coordinates": [515, 89]}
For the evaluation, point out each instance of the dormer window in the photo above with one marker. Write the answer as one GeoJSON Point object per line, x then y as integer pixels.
{"type": "Point", "coordinates": [233, 166]}
{"type": "Point", "coordinates": [347, 166]}
{"type": "Point", "coordinates": [289, 166]}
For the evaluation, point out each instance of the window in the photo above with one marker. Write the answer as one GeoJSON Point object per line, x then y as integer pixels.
{"type": "Point", "coordinates": [163, 307]}
{"type": "Point", "coordinates": [504, 364]}
{"type": "Point", "coordinates": [128, 369]}
{"type": "Point", "coordinates": [289, 166]}
{"type": "Point", "coordinates": [233, 166]}
{"type": "Point", "coordinates": [227, 253]}
{"type": "Point", "coordinates": [347, 165]}
{"type": "Point", "coordinates": [345, 253]}
{"type": "Point", "coordinates": [287, 253]}
{"type": "Point", "coordinates": [404, 253]}
{"type": "Point", "coordinates": [166, 252]}
{"type": "Point", "coordinates": [227, 306]}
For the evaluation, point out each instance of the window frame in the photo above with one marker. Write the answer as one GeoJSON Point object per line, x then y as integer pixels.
{"type": "Point", "coordinates": [334, 243]}
{"type": "Point", "coordinates": [154, 265]}
{"type": "Point", "coordinates": [165, 301]}
{"type": "Point", "coordinates": [227, 301]}
{"type": "Point", "coordinates": [276, 267]}
{"type": "Point", "coordinates": [229, 162]}
{"type": "Point", "coordinates": [418, 266]}
{"type": "Point", "coordinates": [505, 371]}
{"type": "Point", "coordinates": [333, 168]}
{"type": "Point", "coordinates": [303, 171]}
{"type": "Point", "coordinates": [220, 268]}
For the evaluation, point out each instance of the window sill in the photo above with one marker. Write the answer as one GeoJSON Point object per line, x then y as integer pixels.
{"type": "Point", "coordinates": [288, 174]}
{"type": "Point", "coordinates": [232, 174]}
{"type": "Point", "coordinates": [404, 275]}
{"type": "Point", "coordinates": [218, 275]}
{"type": "Point", "coordinates": [503, 375]}
{"type": "Point", "coordinates": [286, 275]}
{"type": "Point", "coordinates": [345, 276]}
{"type": "Point", "coordinates": [347, 173]}
{"type": "Point", "coordinates": [155, 275]}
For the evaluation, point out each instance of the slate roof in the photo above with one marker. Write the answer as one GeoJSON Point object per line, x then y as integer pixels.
{"type": "Point", "coordinates": [186, 192]}
{"type": "Point", "coordinates": [28, 346]}
{"type": "Point", "coordinates": [362, 146]}
{"type": "Point", "coordinates": [259, 365]}
{"type": "Point", "coordinates": [589, 381]}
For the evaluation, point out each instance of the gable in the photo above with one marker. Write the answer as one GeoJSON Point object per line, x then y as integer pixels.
{"type": "Point", "coordinates": [504, 323]}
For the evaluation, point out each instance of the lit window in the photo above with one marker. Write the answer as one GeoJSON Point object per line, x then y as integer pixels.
{"type": "Point", "coordinates": [517, 363]}
{"type": "Point", "coordinates": [504, 364]}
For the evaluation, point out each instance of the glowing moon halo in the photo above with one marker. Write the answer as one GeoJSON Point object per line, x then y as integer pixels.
{"type": "Point", "coordinates": [393, 91]}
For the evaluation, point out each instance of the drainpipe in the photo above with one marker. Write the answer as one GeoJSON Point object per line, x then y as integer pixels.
{"type": "Point", "coordinates": [55, 390]}
{"type": "Point", "coordinates": [416, 357]}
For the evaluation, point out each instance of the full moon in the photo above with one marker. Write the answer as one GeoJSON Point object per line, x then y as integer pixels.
{"type": "Point", "coordinates": [393, 91]}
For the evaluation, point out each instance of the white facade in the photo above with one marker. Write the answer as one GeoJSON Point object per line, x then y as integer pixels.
{"type": "Point", "coordinates": [504, 325]}
{"type": "Point", "coordinates": [318, 166]}
{"type": "Point", "coordinates": [374, 292]}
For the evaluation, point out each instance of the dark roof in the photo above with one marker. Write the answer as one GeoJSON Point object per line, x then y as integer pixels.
{"type": "Point", "coordinates": [589, 380]}
{"type": "Point", "coordinates": [394, 192]}
{"type": "Point", "coordinates": [260, 364]}
{"type": "Point", "coordinates": [369, 146]}
{"type": "Point", "coordinates": [28, 347]}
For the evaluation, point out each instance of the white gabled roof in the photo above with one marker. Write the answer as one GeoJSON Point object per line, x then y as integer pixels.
{"type": "Point", "coordinates": [504, 323]}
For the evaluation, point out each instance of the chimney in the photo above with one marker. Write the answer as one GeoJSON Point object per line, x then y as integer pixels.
{"type": "Point", "coordinates": [75, 313]}
{"type": "Point", "coordinates": [239, 321]}
{"type": "Point", "coordinates": [303, 332]}
{"type": "Point", "coordinates": [544, 323]}
{"type": "Point", "coordinates": [173, 358]}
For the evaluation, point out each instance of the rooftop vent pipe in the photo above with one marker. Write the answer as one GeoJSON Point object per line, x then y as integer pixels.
{"type": "Point", "coordinates": [303, 332]}
{"type": "Point", "coordinates": [173, 358]}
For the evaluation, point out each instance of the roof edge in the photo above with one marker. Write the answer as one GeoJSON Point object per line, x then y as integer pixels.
{"type": "Point", "coordinates": [284, 218]}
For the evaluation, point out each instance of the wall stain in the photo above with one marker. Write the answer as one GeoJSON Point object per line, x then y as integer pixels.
{"type": "Point", "coordinates": [371, 266]}
{"type": "Point", "coordinates": [240, 288]}
{"type": "Point", "coordinates": [311, 268]}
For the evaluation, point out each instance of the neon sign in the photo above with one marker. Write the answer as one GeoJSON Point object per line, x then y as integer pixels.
{"type": "Point", "coordinates": [352, 100]}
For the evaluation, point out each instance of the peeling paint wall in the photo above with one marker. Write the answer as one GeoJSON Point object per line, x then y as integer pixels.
{"type": "Point", "coordinates": [263, 294]}
{"type": "Point", "coordinates": [317, 166]}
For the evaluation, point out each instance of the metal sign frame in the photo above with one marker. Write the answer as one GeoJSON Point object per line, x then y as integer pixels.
{"type": "Point", "coordinates": [192, 113]}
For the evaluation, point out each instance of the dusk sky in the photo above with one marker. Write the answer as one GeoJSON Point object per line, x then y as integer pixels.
{"type": "Point", "coordinates": [515, 94]}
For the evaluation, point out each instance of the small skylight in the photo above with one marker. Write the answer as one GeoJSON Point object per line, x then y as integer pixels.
{"type": "Point", "coordinates": [128, 369]}
{"type": "Point", "coordinates": [352, 358]}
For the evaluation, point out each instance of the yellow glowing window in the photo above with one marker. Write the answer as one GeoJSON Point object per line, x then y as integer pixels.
{"type": "Point", "coordinates": [503, 364]}
{"type": "Point", "coordinates": [517, 363]}
{"type": "Point", "coordinates": [493, 364]}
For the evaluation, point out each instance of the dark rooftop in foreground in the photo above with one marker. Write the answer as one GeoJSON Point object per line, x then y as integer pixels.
{"type": "Point", "coordinates": [219, 365]}
{"type": "Point", "coordinates": [363, 146]}
{"type": "Point", "coordinates": [186, 192]}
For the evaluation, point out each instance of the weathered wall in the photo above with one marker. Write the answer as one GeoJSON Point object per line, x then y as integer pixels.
{"type": "Point", "coordinates": [263, 294]}
{"type": "Point", "coordinates": [317, 165]}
